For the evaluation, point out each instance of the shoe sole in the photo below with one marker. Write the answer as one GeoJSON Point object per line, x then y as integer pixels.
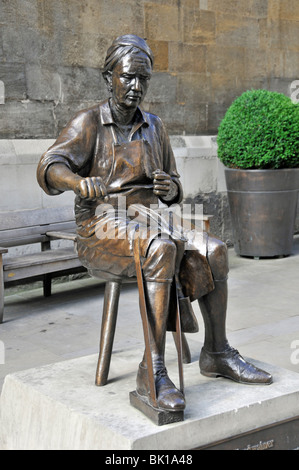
{"type": "Point", "coordinates": [216, 375]}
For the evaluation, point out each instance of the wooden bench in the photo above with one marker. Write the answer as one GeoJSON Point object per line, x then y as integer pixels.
{"type": "Point", "coordinates": [27, 227]}
{"type": "Point", "coordinates": [36, 226]}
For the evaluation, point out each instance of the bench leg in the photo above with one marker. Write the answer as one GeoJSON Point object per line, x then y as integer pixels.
{"type": "Point", "coordinates": [1, 289]}
{"type": "Point", "coordinates": [46, 245]}
{"type": "Point", "coordinates": [47, 285]}
{"type": "Point", "coordinates": [112, 291]}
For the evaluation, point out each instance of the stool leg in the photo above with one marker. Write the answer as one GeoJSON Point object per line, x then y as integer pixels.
{"type": "Point", "coordinates": [1, 289]}
{"type": "Point", "coordinates": [111, 298]}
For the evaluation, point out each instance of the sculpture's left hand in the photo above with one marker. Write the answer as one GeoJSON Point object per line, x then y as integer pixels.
{"type": "Point", "coordinates": [164, 186]}
{"type": "Point", "coordinates": [162, 182]}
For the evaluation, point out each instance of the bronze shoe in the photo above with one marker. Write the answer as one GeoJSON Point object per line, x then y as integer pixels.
{"type": "Point", "coordinates": [231, 365]}
{"type": "Point", "coordinates": [168, 396]}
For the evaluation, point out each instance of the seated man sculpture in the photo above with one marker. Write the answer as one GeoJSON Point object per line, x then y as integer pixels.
{"type": "Point", "coordinates": [114, 149]}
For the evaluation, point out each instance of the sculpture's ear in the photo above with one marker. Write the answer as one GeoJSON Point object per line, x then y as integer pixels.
{"type": "Point", "coordinates": [108, 79]}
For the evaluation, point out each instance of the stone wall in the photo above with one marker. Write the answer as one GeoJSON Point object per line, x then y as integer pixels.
{"type": "Point", "coordinates": [207, 53]}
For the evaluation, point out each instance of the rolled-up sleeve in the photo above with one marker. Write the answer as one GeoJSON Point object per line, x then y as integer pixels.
{"type": "Point", "coordinates": [73, 148]}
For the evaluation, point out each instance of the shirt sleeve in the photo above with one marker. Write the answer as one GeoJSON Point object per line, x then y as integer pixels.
{"type": "Point", "coordinates": [74, 148]}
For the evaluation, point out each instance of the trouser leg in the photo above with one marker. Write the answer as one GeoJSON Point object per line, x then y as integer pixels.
{"type": "Point", "coordinates": [218, 358]}
{"type": "Point", "coordinates": [158, 271]}
{"type": "Point", "coordinates": [213, 306]}
{"type": "Point", "coordinates": [157, 301]}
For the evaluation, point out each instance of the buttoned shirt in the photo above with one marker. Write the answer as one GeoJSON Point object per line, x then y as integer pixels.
{"type": "Point", "coordinates": [86, 146]}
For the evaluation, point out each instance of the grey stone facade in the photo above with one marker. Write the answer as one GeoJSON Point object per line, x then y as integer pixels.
{"type": "Point", "coordinates": [206, 54]}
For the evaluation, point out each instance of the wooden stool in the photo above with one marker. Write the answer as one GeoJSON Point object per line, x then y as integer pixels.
{"type": "Point", "coordinates": [110, 310]}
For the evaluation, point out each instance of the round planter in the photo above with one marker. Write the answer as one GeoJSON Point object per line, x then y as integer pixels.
{"type": "Point", "coordinates": [263, 205]}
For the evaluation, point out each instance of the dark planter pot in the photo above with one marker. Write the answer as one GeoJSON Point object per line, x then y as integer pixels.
{"type": "Point", "coordinates": [263, 205]}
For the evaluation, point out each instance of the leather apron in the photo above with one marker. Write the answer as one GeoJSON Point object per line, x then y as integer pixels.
{"type": "Point", "coordinates": [105, 240]}
{"type": "Point", "coordinates": [131, 176]}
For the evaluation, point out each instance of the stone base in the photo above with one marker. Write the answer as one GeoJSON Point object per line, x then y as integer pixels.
{"type": "Point", "coordinates": [59, 407]}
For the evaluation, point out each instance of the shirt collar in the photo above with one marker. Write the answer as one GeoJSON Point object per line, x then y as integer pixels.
{"type": "Point", "coordinates": [107, 118]}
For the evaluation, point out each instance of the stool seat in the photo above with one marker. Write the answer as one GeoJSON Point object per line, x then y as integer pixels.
{"type": "Point", "coordinates": [111, 277]}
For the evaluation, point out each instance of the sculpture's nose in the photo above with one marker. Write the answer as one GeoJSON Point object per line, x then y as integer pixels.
{"type": "Point", "coordinates": [136, 85]}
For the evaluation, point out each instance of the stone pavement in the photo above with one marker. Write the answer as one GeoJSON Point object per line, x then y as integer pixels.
{"type": "Point", "coordinates": [263, 319]}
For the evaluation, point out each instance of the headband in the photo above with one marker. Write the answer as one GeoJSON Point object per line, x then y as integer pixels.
{"type": "Point", "coordinates": [122, 46]}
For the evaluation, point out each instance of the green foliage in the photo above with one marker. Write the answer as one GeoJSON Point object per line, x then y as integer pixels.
{"type": "Point", "coordinates": [260, 130]}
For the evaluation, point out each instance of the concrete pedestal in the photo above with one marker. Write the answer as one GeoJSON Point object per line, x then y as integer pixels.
{"type": "Point", "coordinates": [59, 407]}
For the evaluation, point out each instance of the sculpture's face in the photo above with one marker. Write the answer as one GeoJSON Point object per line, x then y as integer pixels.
{"type": "Point", "coordinates": [130, 80]}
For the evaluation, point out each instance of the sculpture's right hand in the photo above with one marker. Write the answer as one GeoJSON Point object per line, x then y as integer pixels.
{"type": "Point", "coordinates": [91, 188]}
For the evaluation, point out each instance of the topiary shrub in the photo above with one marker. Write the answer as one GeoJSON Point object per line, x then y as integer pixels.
{"type": "Point", "coordinates": [260, 130]}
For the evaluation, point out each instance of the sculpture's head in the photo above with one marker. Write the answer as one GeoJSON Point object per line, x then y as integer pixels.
{"type": "Point", "coordinates": [128, 69]}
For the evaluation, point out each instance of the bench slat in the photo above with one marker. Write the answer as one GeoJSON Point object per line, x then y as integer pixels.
{"type": "Point", "coordinates": [24, 241]}
{"type": "Point", "coordinates": [32, 217]}
{"type": "Point", "coordinates": [23, 236]}
{"type": "Point", "coordinates": [62, 235]}
{"type": "Point", "coordinates": [37, 270]}
{"type": "Point", "coordinates": [48, 256]}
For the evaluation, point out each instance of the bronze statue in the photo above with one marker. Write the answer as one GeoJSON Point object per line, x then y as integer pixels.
{"type": "Point", "coordinates": [114, 149]}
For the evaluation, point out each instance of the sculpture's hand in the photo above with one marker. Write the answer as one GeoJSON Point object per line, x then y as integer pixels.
{"type": "Point", "coordinates": [164, 187]}
{"type": "Point", "coordinates": [91, 188]}
{"type": "Point", "coordinates": [162, 183]}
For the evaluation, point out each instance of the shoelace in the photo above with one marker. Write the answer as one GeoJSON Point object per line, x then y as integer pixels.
{"type": "Point", "coordinates": [161, 372]}
{"type": "Point", "coordinates": [234, 352]}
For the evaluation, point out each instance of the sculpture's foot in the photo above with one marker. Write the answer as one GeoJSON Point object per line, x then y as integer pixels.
{"type": "Point", "coordinates": [231, 365]}
{"type": "Point", "coordinates": [170, 401]}
{"type": "Point", "coordinates": [168, 396]}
